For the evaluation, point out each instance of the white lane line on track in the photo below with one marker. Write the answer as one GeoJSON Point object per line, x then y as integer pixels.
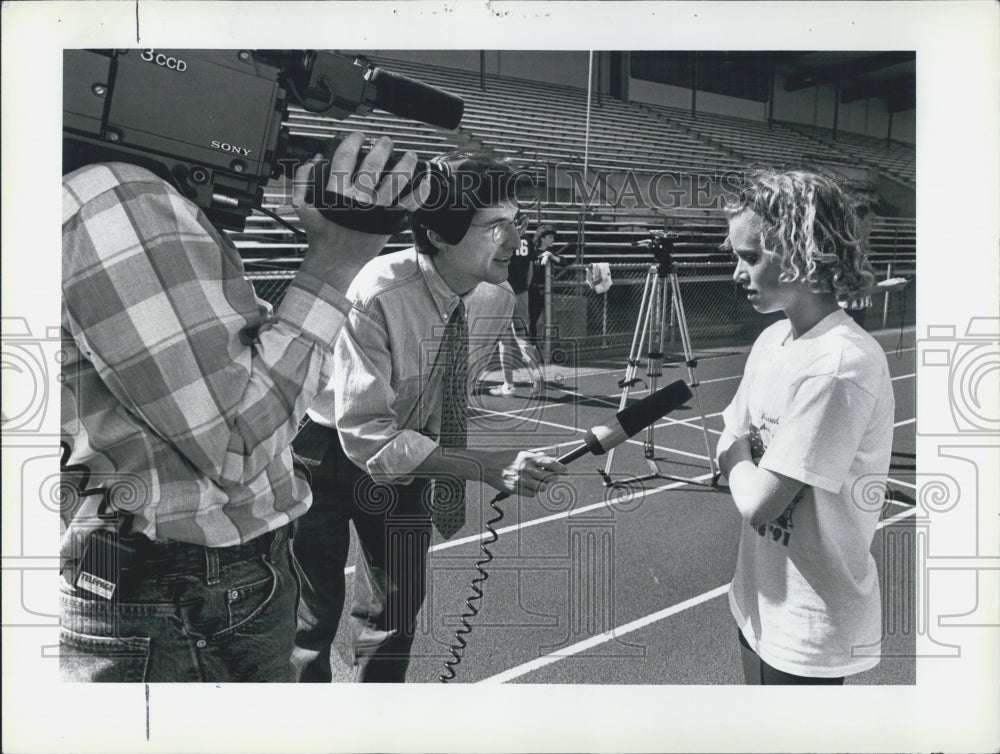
{"type": "Point", "coordinates": [667, 422]}
{"type": "Point", "coordinates": [897, 518]}
{"type": "Point", "coordinates": [739, 376]}
{"type": "Point", "coordinates": [729, 355]}
{"type": "Point", "coordinates": [613, 402]}
{"type": "Point", "coordinates": [566, 514]}
{"type": "Point", "coordinates": [720, 379]}
{"type": "Point", "coordinates": [535, 522]}
{"type": "Point", "coordinates": [901, 483]}
{"type": "Point", "coordinates": [594, 506]}
{"type": "Point", "coordinates": [554, 517]}
{"type": "Point", "coordinates": [569, 427]}
{"type": "Point", "coordinates": [595, 641]}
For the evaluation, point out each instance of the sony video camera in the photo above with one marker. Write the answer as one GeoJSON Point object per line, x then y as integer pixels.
{"type": "Point", "coordinates": [210, 121]}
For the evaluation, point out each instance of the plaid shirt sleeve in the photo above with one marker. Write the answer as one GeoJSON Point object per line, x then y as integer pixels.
{"type": "Point", "coordinates": [156, 300]}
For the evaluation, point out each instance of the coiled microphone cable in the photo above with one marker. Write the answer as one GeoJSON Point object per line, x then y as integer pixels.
{"type": "Point", "coordinates": [459, 645]}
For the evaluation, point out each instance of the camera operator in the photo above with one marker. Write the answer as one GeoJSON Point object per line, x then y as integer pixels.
{"type": "Point", "coordinates": [181, 393]}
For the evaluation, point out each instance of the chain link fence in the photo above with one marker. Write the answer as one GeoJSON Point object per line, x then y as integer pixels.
{"type": "Point", "coordinates": [595, 325]}
{"type": "Point", "coordinates": [270, 286]}
{"type": "Point", "coordinates": [701, 295]}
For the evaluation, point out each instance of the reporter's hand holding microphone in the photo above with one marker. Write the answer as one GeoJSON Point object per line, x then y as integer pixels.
{"type": "Point", "coordinates": [524, 472]}
{"type": "Point", "coordinates": [531, 473]}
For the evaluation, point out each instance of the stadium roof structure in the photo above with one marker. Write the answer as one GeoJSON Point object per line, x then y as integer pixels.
{"type": "Point", "coordinates": [886, 75]}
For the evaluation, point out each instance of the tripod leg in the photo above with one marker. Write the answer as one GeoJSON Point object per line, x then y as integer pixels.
{"type": "Point", "coordinates": [691, 364]}
{"type": "Point", "coordinates": [638, 338]}
{"type": "Point", "coordinates": [655, 366]}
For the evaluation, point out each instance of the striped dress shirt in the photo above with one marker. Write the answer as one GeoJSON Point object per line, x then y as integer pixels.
{"type": "Point", "coordinates": [181, 390]}
{"type": "Point", "coordinates": [386, 396]}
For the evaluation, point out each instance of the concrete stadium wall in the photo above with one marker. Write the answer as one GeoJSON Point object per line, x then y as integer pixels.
{"type": "Point", "coordinates": [814, 106]}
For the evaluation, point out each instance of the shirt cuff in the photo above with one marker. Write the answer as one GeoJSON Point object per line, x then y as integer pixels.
{"type": "Point", "coordinates": [399, 458]}
{"type": "Point", "coordinates": [321, 417]}
{"type": "Point", "coordinates": [313, 307]}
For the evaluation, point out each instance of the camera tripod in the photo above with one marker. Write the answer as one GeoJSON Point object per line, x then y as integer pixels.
{"type": "Point", "coordinates": [661, 306]}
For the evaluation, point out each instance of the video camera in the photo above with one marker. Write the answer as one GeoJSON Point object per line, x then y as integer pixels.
{"type": "Point", "coordinates": [211, 121]}
{"type": "Point", "coordinates": [661, 244]}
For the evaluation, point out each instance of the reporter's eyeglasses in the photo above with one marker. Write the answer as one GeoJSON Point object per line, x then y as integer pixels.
{"type": "Point", "coordinates": [499, 228]}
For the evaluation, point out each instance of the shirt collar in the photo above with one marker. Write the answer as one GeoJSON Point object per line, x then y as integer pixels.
{"type": "Point", "coordinates": [822, 327]}
{"type": "Point", "coordinates": [445, 299]}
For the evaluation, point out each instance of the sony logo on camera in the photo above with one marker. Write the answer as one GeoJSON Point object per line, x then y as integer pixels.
{"type": "Point", "coordinates": [225, 147]}
{"type": "Point", "coordinates": [174, 64]}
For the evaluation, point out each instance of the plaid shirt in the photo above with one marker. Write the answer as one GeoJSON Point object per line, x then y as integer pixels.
{"type": "Point", "coordinates": [180, 391]}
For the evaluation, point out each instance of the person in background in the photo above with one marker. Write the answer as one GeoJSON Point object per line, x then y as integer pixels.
{"type": "Point", "coordinates": [541, 251]}
{"type": "Point", "coordinates": [387, 440]}
{"type": "Point", "coordinates": [520, 273]}
{"type": "Point", "coordinates": [807, 438]}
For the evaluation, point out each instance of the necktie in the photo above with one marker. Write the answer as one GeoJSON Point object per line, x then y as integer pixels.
{"type": "Point", "coordinates": [447, 495]}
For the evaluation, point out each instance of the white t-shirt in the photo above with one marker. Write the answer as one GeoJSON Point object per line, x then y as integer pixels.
{"type": "Point", "coordinates": [819, 409]}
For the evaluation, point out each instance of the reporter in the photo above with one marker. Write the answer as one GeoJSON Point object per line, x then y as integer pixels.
{"type": "Point", "coordinates": [181, 392]}
{"type": "Point", "coordinates": [387, 438]}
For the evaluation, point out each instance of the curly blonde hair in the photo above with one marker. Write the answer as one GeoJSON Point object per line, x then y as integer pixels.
{"type": "Point", "coordinates": [809, 221]}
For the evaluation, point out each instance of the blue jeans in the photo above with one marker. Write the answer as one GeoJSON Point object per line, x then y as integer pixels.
{"type": "Point", "coordinates": [394, 532]}
{"type": "Point", "coordinates": [224, 622]}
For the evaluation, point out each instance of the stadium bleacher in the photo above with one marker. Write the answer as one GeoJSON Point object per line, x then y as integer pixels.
{"type": "Point", "coordinates": [543, 128]}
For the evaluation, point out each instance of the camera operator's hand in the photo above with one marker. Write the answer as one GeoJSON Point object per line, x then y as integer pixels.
{"type": "Point", "coordinates": [336, 253]}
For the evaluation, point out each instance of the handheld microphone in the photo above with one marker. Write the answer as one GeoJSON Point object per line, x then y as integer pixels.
{"type": "Point", "coordinates": [630, 421]}
{"type": "Point", "coordinates": [626, 423]}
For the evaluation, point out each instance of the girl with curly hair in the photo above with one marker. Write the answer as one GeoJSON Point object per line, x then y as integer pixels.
{"type": "Point", "coordinates": [807, 437]}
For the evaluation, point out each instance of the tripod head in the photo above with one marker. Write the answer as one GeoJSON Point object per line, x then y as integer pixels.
{"type": "Point", "coordinates": [661, 244]}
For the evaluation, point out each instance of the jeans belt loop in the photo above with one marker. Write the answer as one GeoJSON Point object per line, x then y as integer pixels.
{"type": "Point", "coordinates": [277, 537]}
{"type": "Point", "coordinates": [211, 566]}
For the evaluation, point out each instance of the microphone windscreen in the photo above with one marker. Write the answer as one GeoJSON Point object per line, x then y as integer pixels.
{"type": "Point", "coordinates": [654, 406]}
{"type": "Point", "coordinates": [413, 99]}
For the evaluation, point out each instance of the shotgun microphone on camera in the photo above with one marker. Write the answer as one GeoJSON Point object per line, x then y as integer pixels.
{"type": "Point", "coordinates": [409, 98]}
